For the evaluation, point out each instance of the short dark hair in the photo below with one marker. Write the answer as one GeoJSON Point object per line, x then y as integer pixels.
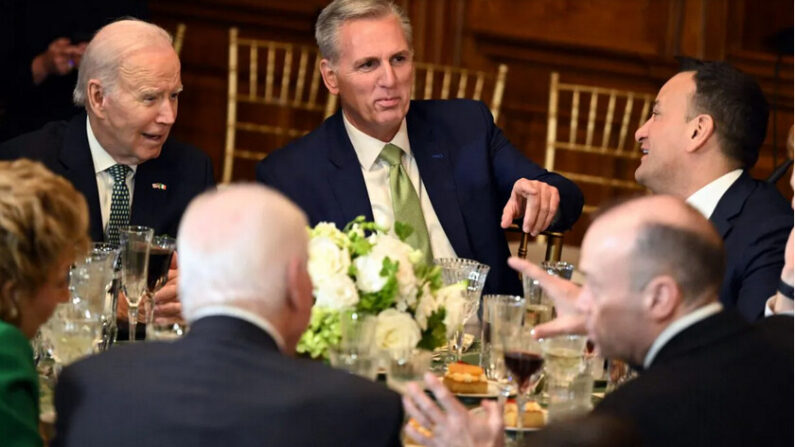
{"type": "Point", "coordinates": [694, 259]}
{"type": "Point", "coordinates": [737, 105]}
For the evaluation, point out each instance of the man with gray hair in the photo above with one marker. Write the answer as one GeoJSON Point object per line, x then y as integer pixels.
{"type": "Point", "coordinates": [443, 167]}
{"type": "Point", "coordinates": [118, 153]}
{"type": "Point", "coordinates": [231, 380]}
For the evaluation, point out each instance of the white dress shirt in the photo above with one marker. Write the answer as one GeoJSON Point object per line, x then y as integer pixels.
{"type": "Point", "coordinates": [236, 312]}
{"type": "Point", "coordinates": [706, 199]}
{"type": "Point", "coordinates": [376, 179]}
{"type": "Point", "coordinates": [678, 326]}
{"type": "Point", "coordinates": [103, 161]}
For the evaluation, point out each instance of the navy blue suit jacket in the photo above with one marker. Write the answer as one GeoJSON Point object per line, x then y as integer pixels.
{"type": "Point", "coordinates": [719, 382]}
{"type": "Point", "coordinates": [62, 146]}
{"type": "Point", "coordinates": [467, 166]}
{"type": "Point", "coordinates": [754, 221]}
{"type": "Point", "coordinates": [224, 384]}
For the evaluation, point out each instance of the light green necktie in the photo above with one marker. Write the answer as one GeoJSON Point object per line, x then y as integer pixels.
{"type": "Point", "coordinates": [406, 202]}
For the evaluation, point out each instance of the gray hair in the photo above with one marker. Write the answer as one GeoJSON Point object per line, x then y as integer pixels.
{"type": "Point", "coordinates": [338, 12]}
{"type": "Point", "coordinates": [235, 245]}
{"type": "Point", "coordinates": [109, 48]}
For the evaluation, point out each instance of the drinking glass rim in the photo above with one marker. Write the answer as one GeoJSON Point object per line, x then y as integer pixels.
{"type": "Point", "coordinates": [139, 229]}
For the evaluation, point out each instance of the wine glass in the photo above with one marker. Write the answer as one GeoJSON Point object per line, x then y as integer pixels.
{"type": "Point", "coordinates": [161, 252]}
{"type": "Point", "coordinates": [135, 246]}
{"type": "Point", "coordinates": [473, 274]}
{"type": "Point", "coordinates": [523, 358]}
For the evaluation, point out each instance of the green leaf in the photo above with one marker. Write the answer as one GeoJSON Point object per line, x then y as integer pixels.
{"type": "Point", "coordinates": [403, 230]}
{"type": "Point", "coordinates": [435, 334]}
{"type": "Point", "coordinates": [375, 302]}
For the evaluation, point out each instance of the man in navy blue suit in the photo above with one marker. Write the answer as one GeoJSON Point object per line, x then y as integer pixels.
{"type": "Point", "coordinates": [129, 83]}
{"type": "Point", "coordinates": [469, 181]}
{"type": "Point", "coordinates": [704, 134]}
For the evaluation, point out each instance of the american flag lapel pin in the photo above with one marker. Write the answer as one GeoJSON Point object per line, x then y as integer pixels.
{"type": "Point", "coordinates": [160, 186]}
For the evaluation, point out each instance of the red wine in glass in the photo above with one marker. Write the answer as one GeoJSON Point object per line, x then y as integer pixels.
{"type": "Point", "coordinates": [523, 365]}
{"type": "Point", "coordinates": [159, 262]}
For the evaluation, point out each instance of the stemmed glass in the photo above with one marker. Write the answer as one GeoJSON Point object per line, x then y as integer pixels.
{"type": "Point", "coordinates": [161, 252]}
{"type": "Point", "coordinates": [523, 358]}
{"type": "Point", "coordinates": [135, 244]}
{"type": "Point", "coordinates": [473, 274]}
{"type": "Point", "coordinates": [90, 280]}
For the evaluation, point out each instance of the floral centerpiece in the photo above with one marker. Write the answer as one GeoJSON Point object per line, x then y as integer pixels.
{"type": "Point", "coordinates": [366, 269]}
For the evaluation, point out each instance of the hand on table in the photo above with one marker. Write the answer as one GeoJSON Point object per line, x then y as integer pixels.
{"type": "Point", "coordinates": [452, 425]}
{"type": "Point", "coordinates": [564, 295]}
{"type": "Point", "coordinates": [536, 201]}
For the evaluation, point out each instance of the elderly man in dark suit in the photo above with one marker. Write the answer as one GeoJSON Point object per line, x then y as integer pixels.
{"type": "Point", "coordinates": [232, 379]}
{"type": "Point", "coordinates": [653, 267]}
{"type": "Point", "coordinates": [118, 154]}
{"type": "Point", "coordinates": [441, 166]}
{"type": "Point", "coordinates": [704, 134]}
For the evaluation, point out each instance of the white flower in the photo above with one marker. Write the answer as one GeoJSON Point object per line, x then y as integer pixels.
{"type": "Point", "coordinates": [326, 258]}
{"type": "Point", "coordinates": [336, 292]}
{"type": "Point", "coordinates": [402, 253]}
{"type": "Point", "coordinates": [396, 330]}
{"type": "Point", "coordinates": [453, 300]}
{"type": "Point", "coordinates": [426, 306]}
{"type": "Point", "coordinates": [368, 272]}
{"type": "Point", "coordinates": [329, 230]}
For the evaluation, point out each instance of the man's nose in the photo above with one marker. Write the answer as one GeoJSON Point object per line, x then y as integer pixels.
{"type": "Point", "coordinates": [167, 113]}
{"type": "Point", "coordinates": [641, 133]}
{"type": "Point", "coordinates": [388, 76]}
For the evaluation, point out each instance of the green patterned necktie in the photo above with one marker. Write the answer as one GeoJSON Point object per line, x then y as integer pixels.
{"type": "Point", "coordinates": [406, 202]}
{"type": "Point", "coordinates": [119, 203]}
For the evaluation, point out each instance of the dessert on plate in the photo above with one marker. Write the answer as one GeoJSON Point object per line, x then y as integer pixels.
{"type": "Point", "coordinates": [463, 378]}
{"type": "Point", "coordinates": [533, 417]}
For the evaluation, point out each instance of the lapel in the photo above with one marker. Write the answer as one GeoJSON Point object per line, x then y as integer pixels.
{"type": "Point", "coordinates": [703, 334]}
{"type": "Point", "coordinates": [75, 157]}
{"type": "Point", "coordinates": [150, 202]}
{"type": "Point", "coordinates": [345, 176]}
{"type": "Point", "coordinates": [731, 204]}
{"type": "Point", "coordinates": [436, 172]}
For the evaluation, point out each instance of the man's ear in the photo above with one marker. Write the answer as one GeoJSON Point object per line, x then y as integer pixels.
{"type": "Point", "coordinates": [95, 98]}
{"type": "Point", "coordinates": [701, 129]}
{"type": "Point", "coordinates": [299, 295]}
{"type": "Point", "coordinates": [662, 297]}
{"type": "Point", "coordinates": [329, 76]}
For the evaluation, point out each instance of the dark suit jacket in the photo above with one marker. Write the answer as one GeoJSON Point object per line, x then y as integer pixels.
{"type": "Point", "coordinates": [720, 382]}
{"type": "Point", "coordinates": [63, 147]}
{"type": "Point", "coordinates": [754, 221]}
{"type": "Point", "coordinates": [224, 384]}
{"type": "Point", "coordinates": [467, 165]}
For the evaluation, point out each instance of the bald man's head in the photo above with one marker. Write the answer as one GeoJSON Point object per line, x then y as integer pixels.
{"type": "Point", "coordinates": [245, 246]}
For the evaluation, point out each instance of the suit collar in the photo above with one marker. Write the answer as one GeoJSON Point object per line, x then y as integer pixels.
{"type": "Point", "coordinates": [436, 170]}
{"type": "Point", "coordinates": [75, 157]}
{"type": "Point", "coordinates": [678, 326]}
{"type": "Point", "coordinates": [235, 330]}
{"type": "Point", "coordinates": [702, 334]}
{"type": "Point", "coordinates": [731, 204]}
{"type": "Point", "coordinates": [345, 179]}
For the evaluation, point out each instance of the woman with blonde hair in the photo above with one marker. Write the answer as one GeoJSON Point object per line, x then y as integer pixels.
{"type": "Point", "coordinates": [43, 227]}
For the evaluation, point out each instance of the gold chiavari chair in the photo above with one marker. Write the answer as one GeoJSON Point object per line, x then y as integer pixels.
{"type": "Point", "coordinates": [437, 81]}
{"type": "Point", "coordinates": [179, 37]}
{"type": "Point", "coordinates": [287, 88]}
{"type": "Point", "coordinates": [599, 137]}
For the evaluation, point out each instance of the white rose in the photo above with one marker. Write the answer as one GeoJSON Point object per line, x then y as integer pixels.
{"type": "Point", "coordinates": [326, 258]}
{"type": "Point", "coordinates": [368, 272]}
{"type": "Point", "coordinates": [425, 308]}
{"type": "Point", "coordinates": [401, 253]}
{"type": "Point", "coordinates": [329, 230]}
{"type": "Point", "coordinates": [336, 292]}
{"type": "Point", "coordinates": [396, 330]}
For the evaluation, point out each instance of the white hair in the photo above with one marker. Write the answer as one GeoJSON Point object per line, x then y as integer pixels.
{"type": "Point", "coordinates": [234, 248]}
{"type": "Point", "coordinates": [111, 45]}
{"type": "Point", "coordinates": [338, 12]}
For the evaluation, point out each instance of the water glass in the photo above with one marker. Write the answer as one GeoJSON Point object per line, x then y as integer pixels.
{"type": "Point", "coordinates": [406, 366]}
{"type": "Point", "coordinates": [558, 268]}
{"type": "Point", "coordinates": [91, 280]}
{"type": "Point", "coordinates": [538, 306]}
{"type": "Point", "coordinates": [564, 357]}
{"type": "Point", "coordinates": [501, 313]}
{"type": "Point", "coordinates": [357, 331]}
{"type": "Point", "coordinates": [363, 362]}
{"type": "Point", "coordinates": [473, 274]}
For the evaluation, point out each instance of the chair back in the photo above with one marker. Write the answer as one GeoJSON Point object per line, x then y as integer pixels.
{"type": "Point", "coordinates": [272, 102]}
{"type": "Point", "coordinates": [435, 81]}
{"type": "Point", "coordinates": [179, 37]}
{"type": "Point", "coordinates": [597, 139]}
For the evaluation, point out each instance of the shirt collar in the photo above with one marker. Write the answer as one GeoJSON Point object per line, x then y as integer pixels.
{"type": "Point", "coordinates": [706, 199]}
{"type": "Point", "coordinates": [236, 312]}
{"type": "Point", "coordinates": [101, 158]}
{"type": "Point", "coordinates": [678, 326]}
{"type": "Point", "coordinates": [368, 148]}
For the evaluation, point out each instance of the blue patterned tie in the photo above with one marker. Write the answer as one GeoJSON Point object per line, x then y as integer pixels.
{"type": "Point", "coordinates": [119, 203]}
